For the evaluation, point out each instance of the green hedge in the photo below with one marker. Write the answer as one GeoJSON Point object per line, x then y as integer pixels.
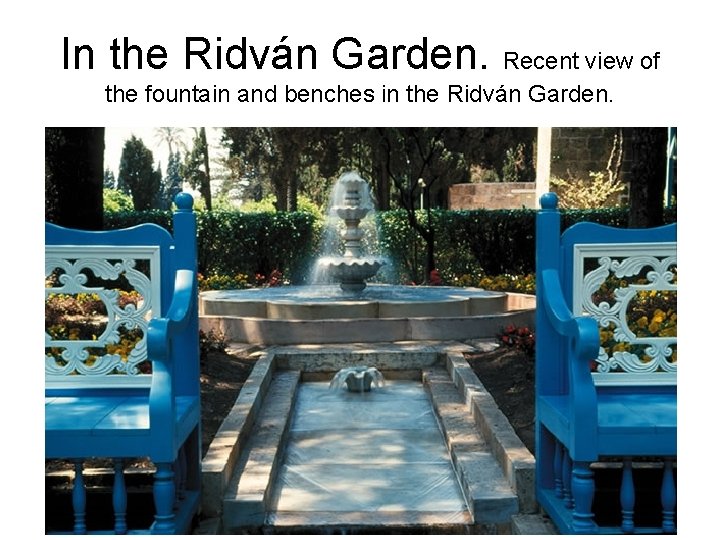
{"type": "Point", "coordinates": [230, 243]}
{"type": "Point", "coordinates": [468, 244]}
{"type": "Point", "coordinates": [479, 242]}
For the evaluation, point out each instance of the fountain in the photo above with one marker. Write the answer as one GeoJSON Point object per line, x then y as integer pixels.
{"type": "Point", "coordinates": [351, 202]}
{"type": "Point", "coordinates": [380, 312]}
{"type": "Point", "coordinates": [409, 459]}
{"type": "Point", "coordinates": [357, 378]}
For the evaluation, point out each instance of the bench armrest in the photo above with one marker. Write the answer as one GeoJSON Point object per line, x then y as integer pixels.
{"type": "Point", "coordinates": [584, 336]}
{"type": "Point", "coordinates": [159, 342]}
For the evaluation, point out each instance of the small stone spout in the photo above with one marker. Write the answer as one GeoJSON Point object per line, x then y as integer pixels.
{"type": "Point", "coordinates": [358, 379]}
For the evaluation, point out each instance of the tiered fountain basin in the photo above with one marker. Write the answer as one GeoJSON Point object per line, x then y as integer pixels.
{"type": "Point", "coordinates": [321, 314]}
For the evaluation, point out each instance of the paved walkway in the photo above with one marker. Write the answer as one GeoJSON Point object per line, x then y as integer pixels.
{"type": "Point", "coordinates": [379, 453]}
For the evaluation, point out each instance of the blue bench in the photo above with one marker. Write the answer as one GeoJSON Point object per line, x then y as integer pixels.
{"type": "Point", "coordinates": [123, 383]}
{"type": "Point", "coordinates": [606, 368]}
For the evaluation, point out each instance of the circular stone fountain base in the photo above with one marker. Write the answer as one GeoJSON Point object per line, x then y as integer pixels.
{"type": "Point", "coordinates": [324, 314]}
{"type": "Point", "coordinates": [330, 302]}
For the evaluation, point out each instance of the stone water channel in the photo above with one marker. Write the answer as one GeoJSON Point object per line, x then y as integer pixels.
{"type": "Point", "coordinates": [427, 452]}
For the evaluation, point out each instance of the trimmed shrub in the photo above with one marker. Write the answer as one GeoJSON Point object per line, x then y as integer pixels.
{"type": "Point", "coordinates": [469, 245]}
{"type": "Point", "coordinates": [231, 243]}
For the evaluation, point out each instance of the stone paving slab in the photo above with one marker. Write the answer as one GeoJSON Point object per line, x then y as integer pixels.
{"type": "Point", "coordinates": [353, 487]}
{"type": "Point", "coordinates": [397, 521]}
{"type": "Point", "coordinates": [379, 451]}
{"type": "Point", "coordinates": [390, 447]}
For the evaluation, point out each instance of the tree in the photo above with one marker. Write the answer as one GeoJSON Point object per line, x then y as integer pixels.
{"type": "Point", "coordinates": [137, 174]}
{"type": "Point", "coordinates": [290, 158]}
{"type": "Point", "coordinates": [74, 177]}
{"type": "Point", "coordinates": [416, 159]}
{"type": "Point", "coordinates": [109, 179]}
{"type": "Point", "coordinates": [649, 147]}
{"type": "Point", "coordinates": [172, 183]}
{"type": "Point", "coordinates": [173, 137]}
{"type": "Point", "coordinates": [197, 167]}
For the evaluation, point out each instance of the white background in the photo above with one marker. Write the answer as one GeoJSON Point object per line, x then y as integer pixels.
{"type": "Point", "coordinates": [36, 92]}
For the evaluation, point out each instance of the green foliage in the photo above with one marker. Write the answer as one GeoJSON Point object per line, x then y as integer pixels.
{"type": "Point", "coordinates": [108, 179]}
{"type": "Point", "coordinates": [231, 243]}
{"type": "Point", "coordinates": [218, 282]}
{"type": "Point", "coordinates": [137, 175]}
{"type": "Point", "coordinates": [171, 184]}
{"type": "Point", "coordinates": [477, 243]}
{"type": "Point", "coordinates": [196, 169]}
{"type": "Point", "coordinates": [115, 200]}
{"type": "Point", "coordinates": [516, 166]}
{"type": "Point", "coordinates": [267, 204]}
{"type": "Point", "coordinates": [470, 245]}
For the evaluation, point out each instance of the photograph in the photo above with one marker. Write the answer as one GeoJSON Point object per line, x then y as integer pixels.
{"type": "Point", "coordinates": [361, 330]}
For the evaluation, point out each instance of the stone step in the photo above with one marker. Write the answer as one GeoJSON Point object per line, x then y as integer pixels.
{"type": "Point", "coordinates": [249, 491]}
{"type": "Point", "coordinates": [489, 496]}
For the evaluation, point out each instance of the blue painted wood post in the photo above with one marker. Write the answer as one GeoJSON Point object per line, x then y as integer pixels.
{"type": "Point", "coordinates": [558, 470]}
{"type": "Point", "coordinates": [567, 479]}
{"type": "Point", "coordinates": [79, 499]}
{"type": "Point", "coordinates": [164, 495]}
{"type": "Point", "coordinates": [120, 498]}
{"type": "Point", "coordinates": [184, 226]}
{"type": "Point", "coordinates": [627, 497]}
{"type": "Point", "coordinates": [583, 487]}
{"type": "Point", "coordinates": [668, 498]}
{"type": "Point", "coordinates": [188, 381]}
{"type": "Point", "coordinates": [549, 378]}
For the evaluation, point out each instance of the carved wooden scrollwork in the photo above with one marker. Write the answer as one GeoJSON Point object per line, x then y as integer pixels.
{"type": "Point", "coordinates": [90, 357]}
{"type": "Point", "coordinates": [628, 279]}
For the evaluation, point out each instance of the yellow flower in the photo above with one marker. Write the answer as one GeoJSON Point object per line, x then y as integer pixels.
{"type": "Point", "coordinates": [658, 316]}
{"type": "Point", "coordinates": [670, 331]}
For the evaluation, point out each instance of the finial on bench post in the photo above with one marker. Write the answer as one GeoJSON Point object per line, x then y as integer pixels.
{"type": "Point", "coordinates": [547, 231]}
{"type": "Point", "coordinates": [184, 202]}
{"type": "Point", "coordinates": [184, 228]}
{"type": "Point", "coordinates": [549, 201]}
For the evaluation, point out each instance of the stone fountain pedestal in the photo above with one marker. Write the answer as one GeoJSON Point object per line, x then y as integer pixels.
{"type": "Point", "coordinates": [351, 203]}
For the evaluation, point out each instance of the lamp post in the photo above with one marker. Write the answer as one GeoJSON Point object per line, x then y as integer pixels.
{"type": "Point", "coordinates": [421, 183]}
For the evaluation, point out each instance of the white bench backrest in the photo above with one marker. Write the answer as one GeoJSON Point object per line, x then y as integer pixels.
{"type": "Point", "coordinates": [631, 290]}
{"type": "Point", "coordinates": [112, 355]}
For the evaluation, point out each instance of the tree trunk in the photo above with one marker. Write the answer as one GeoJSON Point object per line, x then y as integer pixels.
{"type": "Point", "coordinates": [74, 177]}
{"type": "Point", "coordinates": [205, 190]}
{"type": "Point", "coordinates": [382, 182]}
{"type": "Point", "coordinates": [430, 241]}
{"type": "Point", "coordinates": [649, 147]}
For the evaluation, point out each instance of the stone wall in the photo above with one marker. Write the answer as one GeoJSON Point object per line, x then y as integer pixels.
{"type": "Point", "coordinates": [579, 150]}
{"type": "Point", "coordinates": [491, 195]}
{"type": "Point", "coordinates": [576, 151]}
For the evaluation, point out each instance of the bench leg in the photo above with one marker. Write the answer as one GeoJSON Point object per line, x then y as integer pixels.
{"type": "Point", "coordinates": [79, 499]}
{"type": "Point", "coordinates": [627, 498]}
{"type": "Point", "coordinates": [668, 498]}
{"type": "Point", "coordinates": [567, 479]}
{"type": "Point", "coordinates": [164, 495]}
{"type": "Point", "coordinates": [583, 488]}
{"type": "Point", "coordinates": [120, 498]}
